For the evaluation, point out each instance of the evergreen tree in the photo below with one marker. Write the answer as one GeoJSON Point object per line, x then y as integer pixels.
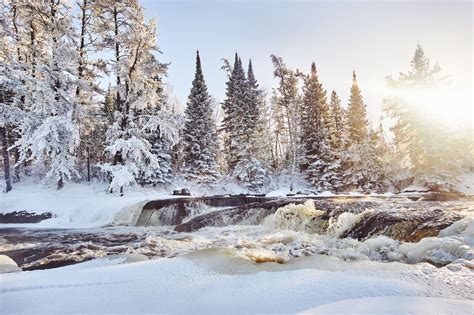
{"type": "Point", "coordinates": [200, 138]}
{"type": "Point", "coordinates": [250, 169]}
{"type": "Point", "coordinates": [360, 163]}
{"type": "Point", "coordinates": [88, 112]}
{"type": "Point", "coordinates": [337, 113]}
{"type": "Point", "coordinates": [427, 153]}
{"type": "Point", "coordinates": [317, 129]}
{"type": "Point", "coordinates": [236, 116]}
{"type": "Point", "coordinates": [356, 118]}
{"type": "Point", "coordinates": [135, 113]}
{"type": "Point", "coordinates": [48, 134]}
{"type": "Point", "coordinates": [229, 108]}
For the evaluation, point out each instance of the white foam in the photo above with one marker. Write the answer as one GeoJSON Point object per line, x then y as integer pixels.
{"type": "Point", "coordinates": [295, 217]}
{"type": "Point", "coordinates": [345, 221]}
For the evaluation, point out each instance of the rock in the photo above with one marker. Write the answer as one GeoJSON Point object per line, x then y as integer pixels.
{"type": "Point", "coordinates": [181, 192]}
{"type": "Point", "coordinates": [8, 265]}
{"type": "Point", "coordinates": [408, 225]}
{"type": "Point", "coordinates": [24, 217]}
{"type": "Point", "coordinates": [172, 211]}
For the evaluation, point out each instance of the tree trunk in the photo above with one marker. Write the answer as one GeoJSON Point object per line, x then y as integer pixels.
{"type": "Point", "coordinates": [60, 182]}
{"type": "Point", "coordinates": [16, 178]}
{"type": "Point", "coordinates": [88, 164]}
{"type": "Point", "coordinates": [6, 160]}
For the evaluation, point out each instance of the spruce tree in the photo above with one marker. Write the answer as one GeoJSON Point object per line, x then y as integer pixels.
{"type": "Point", "coordinates": [135, 114]}
{"type": "Point", "coordinates": [236, 116]}
{"type": "Point", "coordinates": [425, 148]}
{"type": "Point", "coordinates": [361, 166]}
{"type": "Point", "coordinates": [200, 138]}
{"type": "Point", "coordinates": [230, 112]}
{"type": "Point", "coordinates": [317, 129]}
{"type": "Point", "coordinates": [249, 169]}
{"type": "Point", "coordinates": [49, 136]}
{"type": "Point", "coordinates": [356, 115]}
{"type": "Point", "coordinates": [337, 113]}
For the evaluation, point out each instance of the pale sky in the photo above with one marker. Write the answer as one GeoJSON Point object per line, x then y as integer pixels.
{"type": "Point", "coordinates": [374, 38]}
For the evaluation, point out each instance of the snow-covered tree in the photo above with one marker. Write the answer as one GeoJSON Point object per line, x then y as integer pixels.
{"type": "Point", "coordinates": [48, 134]}
{"type": "Point", "coordinates": [356, 115]}
{"type": "Point", "coordinates": [286, 103]}
{"type": "Point", "coordinates": [236, 116]}
{"type": "Point", "coordinates": [88, 110]}
{"type": "Point", "coordinates": [243, 125]}
{"type": "Point", "coordinates": [13, 76]}
{"type": "Point", "coordinates": [229, 126]}
{"type": "Point", "coordinates": [6, 100]}
{"type": "Point", "coordinates": [429, 154]}
{"type": "Point", "coordinates": [251, 169]}
{"type": "Point", "coordinates": [200, 136]}
{"type": "Point", "coordinates": [359, 148]}
{"type": "Point", "coordinates": [367, 163]}
{"type": "Point", "coordinates": [317, 132]}
{"type": "Point", "coordinates": [337, 113]}
{"type": "Point", "coordinates": [136, 69]}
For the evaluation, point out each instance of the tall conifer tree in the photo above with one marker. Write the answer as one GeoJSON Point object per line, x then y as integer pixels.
{"type": "Point", "coordinates": [200, 138]}
{"type": "Point", "coordinates": [317, 129]}
{"type": "Point", "coordinates": [356, 114]}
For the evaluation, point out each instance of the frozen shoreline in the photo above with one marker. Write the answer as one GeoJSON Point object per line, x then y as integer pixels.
{"type": "Point", "coordinates": [201, 283]}
{"type": "Point", "coordinates": [88, 205]}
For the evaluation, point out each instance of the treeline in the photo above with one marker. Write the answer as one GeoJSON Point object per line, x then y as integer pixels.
{"type": "Point", "coordinates": [58, 124]}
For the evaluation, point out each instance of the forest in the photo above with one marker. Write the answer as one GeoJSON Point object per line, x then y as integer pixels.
{"type": "Point", "coordinates": [60, 124]}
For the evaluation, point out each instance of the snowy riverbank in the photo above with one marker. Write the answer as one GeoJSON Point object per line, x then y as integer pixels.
{"type": "Point", "coordinates": [89, 205]}
{"type": "Point", "coordinates": [224, 282]}
{"type": "Point", "coordinates": [75, 206]}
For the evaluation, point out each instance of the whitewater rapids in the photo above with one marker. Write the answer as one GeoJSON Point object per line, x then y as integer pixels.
{"type": "Point", "coordinates": [293, 231]}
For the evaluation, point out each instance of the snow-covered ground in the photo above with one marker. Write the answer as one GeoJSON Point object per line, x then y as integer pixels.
{"type": "Point", "coordinates": [222, 281]}
{"type": "Point", "coordinates": [76, 205]}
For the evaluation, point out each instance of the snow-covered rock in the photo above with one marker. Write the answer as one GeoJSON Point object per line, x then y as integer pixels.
{"type": "Point", "coordinates": [8, 265]}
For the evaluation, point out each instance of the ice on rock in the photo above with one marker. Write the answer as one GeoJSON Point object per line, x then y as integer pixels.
{"type": "Point", "coordinates": [8, 265]}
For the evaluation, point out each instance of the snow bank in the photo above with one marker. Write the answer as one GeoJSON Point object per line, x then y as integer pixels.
{"type": "Point", "coordinates": [8, 265]}
{"type": "Point", "coordinates": [191, 285]}
{"type": "Point", "coordinates": [467, 184]}
{"type": "Point", "coordinates": [78, 205]}
{"type": "Point", "coordinates": [395, 305]}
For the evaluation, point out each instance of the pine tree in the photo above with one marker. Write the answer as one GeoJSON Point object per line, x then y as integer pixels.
{"type": "Point", "coordinates": [135, 115]}
{"type": "Point", "coordinates": [48, 134]}
{"type": "Point", "coordinates": [229, 126]}
{"type": "Point", "coordinates": [366, 171]}
{"type": "Point", "coordinates": [428, 157]}
{"type": "Point", "coordinates": [337, 113]}
{"type": "Point", "coordinates": [87, 112]}
{"type": "Point", "coordinates": [200, 138]}
{"type": "Point", "coordinates": [356, 118]}
{"type": "Point", "coordinates": [250, 169]}
{"type": "Point", "coordinates": [317, 131]}
{"type": "Point", "coordinates": [360, 163]}
{"type": "Point", "coordinates": [236, 116]}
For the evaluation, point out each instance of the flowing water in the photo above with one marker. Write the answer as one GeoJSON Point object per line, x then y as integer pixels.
{"type": "Point", "coordinates": [278, 231]}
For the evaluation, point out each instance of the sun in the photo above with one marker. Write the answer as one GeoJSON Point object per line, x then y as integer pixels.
{"type": "Point", "coordinates": [446, 105]}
